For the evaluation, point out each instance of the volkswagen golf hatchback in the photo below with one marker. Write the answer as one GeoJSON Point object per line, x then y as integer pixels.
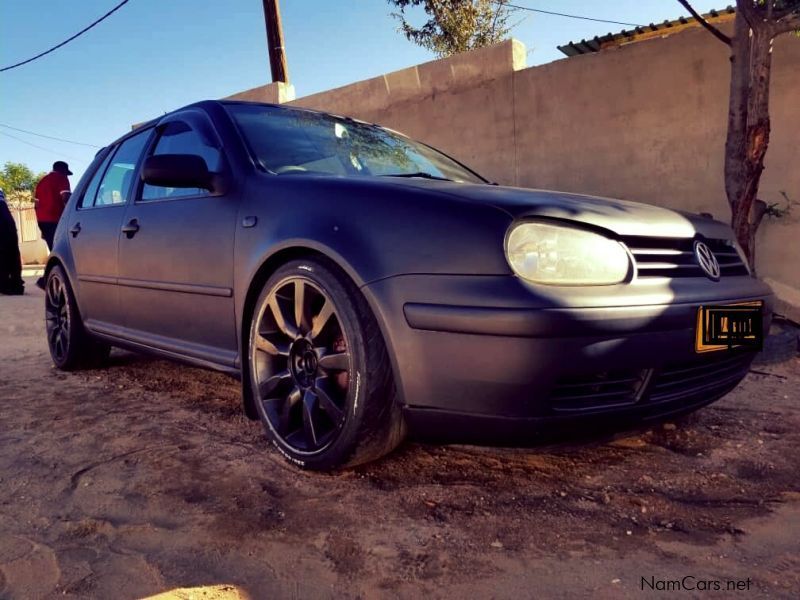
{"type": "Point", "coordinates": [363, 285]}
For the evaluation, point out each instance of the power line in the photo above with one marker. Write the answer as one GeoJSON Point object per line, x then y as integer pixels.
{"type": "Point", "coordinates": [49, 137]}
{"type": "Point", "coordinates": [558, 14]}
{"type": "Point", "coordinates": [68, 40]}
{"type": "Point", "coordinates": [48, 150]}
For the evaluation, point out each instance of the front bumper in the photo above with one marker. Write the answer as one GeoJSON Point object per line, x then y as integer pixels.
{"type": "Point", "coordinates": [488, 354]}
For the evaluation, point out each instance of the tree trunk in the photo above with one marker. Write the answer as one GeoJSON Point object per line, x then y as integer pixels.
{"type": "Point", "coordinates": [748, 124]}
{"type": "Point", "coordinates": [737, 110]}
{"type": "Point", "coordinates": [756, 139]}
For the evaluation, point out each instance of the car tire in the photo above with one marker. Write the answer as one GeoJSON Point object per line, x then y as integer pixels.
{"type": "Point", "coordinates": [71, 346]}
{"type": "Point", "coordinates": [320, 374]}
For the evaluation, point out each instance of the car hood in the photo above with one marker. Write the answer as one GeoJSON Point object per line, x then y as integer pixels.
{"type": "Point", "coordinates": [619, 216]}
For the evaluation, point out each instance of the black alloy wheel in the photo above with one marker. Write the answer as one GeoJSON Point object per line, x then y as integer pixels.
{"type": "Point", "coordinates": [319, 372]}
{"type": "Point", "coordinates": [57, 317]}
{"type": "Point", "coordinates": [71, 346]}
{"type": "Point", "coordinates": [302, 365]}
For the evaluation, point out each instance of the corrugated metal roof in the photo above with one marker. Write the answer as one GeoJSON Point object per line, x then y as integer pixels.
{"type": "Point", "coordinates": [626, 36]}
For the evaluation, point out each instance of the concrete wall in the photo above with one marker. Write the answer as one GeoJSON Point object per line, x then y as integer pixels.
{"type": "Point", "coordinates": [32, 248]}
{"type": "Point", "coordinates": [645, 122]}
{"type": "Point", "coordinates": [463, 105]}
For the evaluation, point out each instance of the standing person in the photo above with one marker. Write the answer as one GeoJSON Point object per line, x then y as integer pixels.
{"type": "Point", "coordinates": [10, 264]}
{"type": "Point", "coordinates": [50, 197]}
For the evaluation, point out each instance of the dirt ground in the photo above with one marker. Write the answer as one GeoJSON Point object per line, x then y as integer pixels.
{"type": "Point", "coordinates": [146, 479]}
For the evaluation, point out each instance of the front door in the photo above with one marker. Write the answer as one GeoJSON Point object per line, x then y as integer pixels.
{"type": "Point", "coordinates": [93, 229]}
{"type": "Point", "coordinates": [176, 260]}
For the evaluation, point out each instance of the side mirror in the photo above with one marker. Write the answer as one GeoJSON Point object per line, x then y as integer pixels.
{"type": "Point", "coordinates": [178, 171]}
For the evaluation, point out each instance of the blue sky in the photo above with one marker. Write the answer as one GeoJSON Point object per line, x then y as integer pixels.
{"type": "Point", "coordinates": [153, 56]}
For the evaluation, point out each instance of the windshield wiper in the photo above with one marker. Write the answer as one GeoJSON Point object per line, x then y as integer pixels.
{"type": "Point", "coordinates": [421, 174]}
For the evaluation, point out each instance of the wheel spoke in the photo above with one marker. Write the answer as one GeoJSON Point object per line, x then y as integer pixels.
{"type": "Point", "coordinates": [268, 386]}
{"type": "Point", "coordinates": [301, 306]}
{"type": "Point", "coordinates": [336, 361]}
{"type": "Point", "coordinates": [321, 319]}
{"type": "Point", "coordinates": [286, 328]}
{"type": "Point", "coordinates": [52, 294]}
{"type": "Point", "coordinates": [327, 404]}
{"type": "Point", "coordinates": [265, 345]}
{"type": "Point", "coordinates": [282, 410]}
{"type": "Point", "coordinates": [60, 344]}
{"type": "Point", "coordinates": [309, 427]}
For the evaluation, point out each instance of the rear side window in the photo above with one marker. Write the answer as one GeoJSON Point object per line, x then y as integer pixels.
{"type": "Point", "coordinates": [113, 181]}
{"type": "Point", "coordinates": [179, 138]}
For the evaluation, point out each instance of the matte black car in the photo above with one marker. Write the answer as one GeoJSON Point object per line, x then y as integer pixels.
{"type": "Point", "coordinates": [363, 285]}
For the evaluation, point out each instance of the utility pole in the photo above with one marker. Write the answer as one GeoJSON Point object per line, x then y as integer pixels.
{"type": "Point", "coordinates": [277, 53]}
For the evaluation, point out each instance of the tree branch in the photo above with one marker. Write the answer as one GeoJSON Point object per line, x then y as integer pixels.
{"type": "Point", "coordinates": [782, 13]}
{"type": "Point", "coordinates": [698, 17]}
{"type": "Point", "coordinates": [792, 23]}
{"type": "Point", "coordinates": [749, 12]}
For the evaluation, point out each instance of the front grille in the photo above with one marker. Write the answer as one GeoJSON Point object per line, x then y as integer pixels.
{"type": "Point", "coordinates": [702, 375]}
{"type": "Point", "coordinates": [601, 390]}
{"type": "Point", "coordinates": [674, 257]}
{"type": "Point", "coordinates": [699, 378]}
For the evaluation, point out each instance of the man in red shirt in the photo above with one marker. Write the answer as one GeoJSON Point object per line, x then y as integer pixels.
{"type": "Point", "coordinates": [50, 199]}
{"type": "Point", "coordinates": [50, 196]}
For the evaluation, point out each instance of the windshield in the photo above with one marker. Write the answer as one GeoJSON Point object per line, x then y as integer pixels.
{"type": "Point", "coordinates": [286, 141]}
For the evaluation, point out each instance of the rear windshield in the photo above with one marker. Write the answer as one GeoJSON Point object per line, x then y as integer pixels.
{"type": "Point", "coordinates": [286, 141]}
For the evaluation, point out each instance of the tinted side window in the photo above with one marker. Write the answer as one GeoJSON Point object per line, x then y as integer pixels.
{"type": "Point", "coordinates": [116, 184]}
{"type": "Point", "coordinates": [91, 190]}
{"type": "Point", "coordinates": [179, 138]}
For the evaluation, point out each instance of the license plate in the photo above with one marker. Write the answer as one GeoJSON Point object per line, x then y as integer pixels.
{"type": "Point", "coordinates": [729, 326]}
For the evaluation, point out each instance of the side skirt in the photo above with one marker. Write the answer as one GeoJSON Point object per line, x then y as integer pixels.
{"type": "Point", "coordinates": [204, 357]}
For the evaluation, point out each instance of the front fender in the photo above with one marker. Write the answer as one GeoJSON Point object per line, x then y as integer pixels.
{"type": "Point", "coordinates": [370, 232]}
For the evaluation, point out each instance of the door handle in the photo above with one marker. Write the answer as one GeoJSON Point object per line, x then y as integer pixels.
{"type": "Point", "coordinates": [131, 228]}
{"type": "Point", "coordinates": [76, 229]}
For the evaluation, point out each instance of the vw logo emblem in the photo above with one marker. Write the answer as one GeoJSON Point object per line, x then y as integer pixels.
{"type": "Point", "coordinates": [706, 260]}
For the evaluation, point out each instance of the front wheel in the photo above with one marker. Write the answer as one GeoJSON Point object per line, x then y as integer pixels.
{"type": "Point", "coordinates": [319, 371]}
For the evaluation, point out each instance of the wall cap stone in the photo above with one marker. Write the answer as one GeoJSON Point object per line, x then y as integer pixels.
{"type": "Point", "coordinates": [787, 299]}
{"type": "Point", "coordinates": [276, 92]}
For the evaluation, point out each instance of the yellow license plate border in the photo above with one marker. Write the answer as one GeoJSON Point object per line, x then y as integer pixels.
{"type": "Point", "coordinates": [699, 346]}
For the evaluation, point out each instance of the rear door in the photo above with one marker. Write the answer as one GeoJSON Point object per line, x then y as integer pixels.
{"type": "Point", "coordinates": [176, 259]}
{"type": "Point", "coordinates": [93, 229]}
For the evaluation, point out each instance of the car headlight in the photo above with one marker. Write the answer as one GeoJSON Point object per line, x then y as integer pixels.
{"type": "Point", "coordinates": [563, 255]}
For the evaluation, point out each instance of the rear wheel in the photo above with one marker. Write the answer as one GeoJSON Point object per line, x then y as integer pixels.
{"type": "Point", "coordinates": [71, 346]}
{"type": "Point", "coordinates": [320, 374]}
